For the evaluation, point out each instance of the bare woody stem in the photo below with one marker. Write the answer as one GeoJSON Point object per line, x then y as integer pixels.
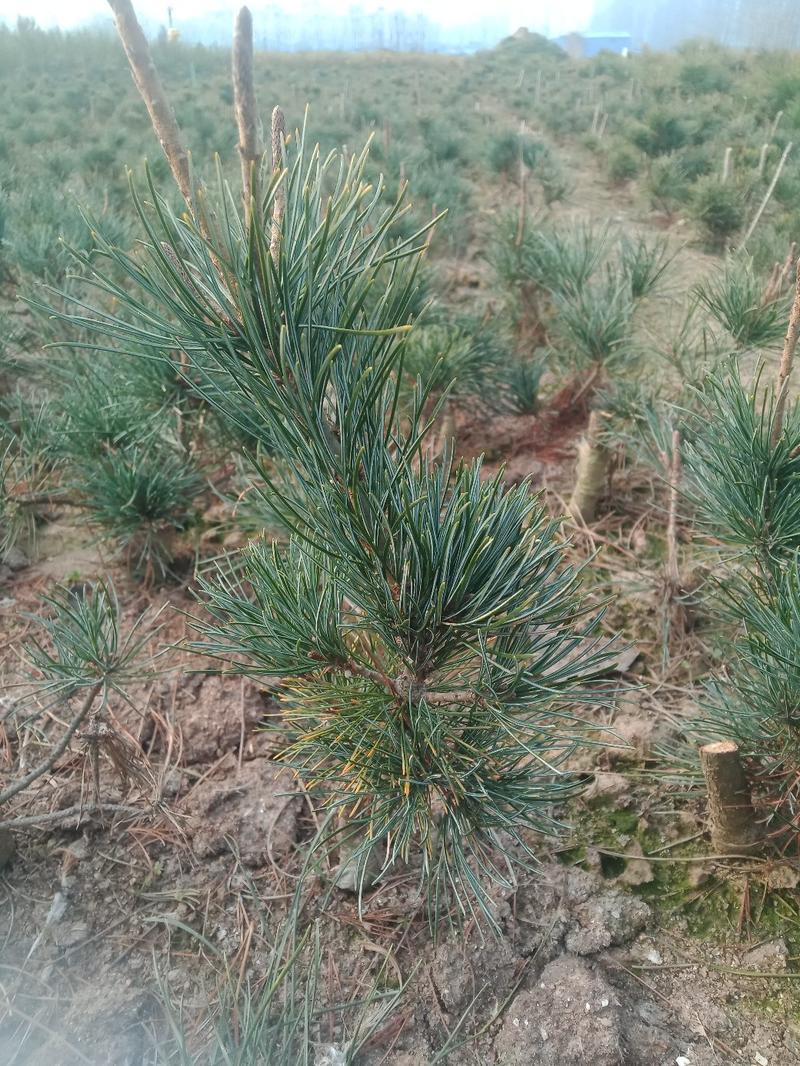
{"type": "Point", "coordinates": [152, 92]}
{"type": "Point", "coordinates": [278, 139]}
{"type": "Point", "coordinates": [673, 570]}
{"type": "Point", "coordinates": [77, 812]}
{"type": "Point", "coordinates": [245, 104]}
{"type": "Point", "coordinates": [674, 611]}
{"type": "Point", "coordinates": [403, 686]}
{"type": "Point", "coordinates": [58, 750]}
{"type": "Point", "coordinates": [730, 808]}
{"type": "Point", "coordinates": [787, 358]}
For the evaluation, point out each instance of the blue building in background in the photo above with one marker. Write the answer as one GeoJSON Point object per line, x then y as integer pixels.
{"type": "Point", "coordinates": [586, 45]}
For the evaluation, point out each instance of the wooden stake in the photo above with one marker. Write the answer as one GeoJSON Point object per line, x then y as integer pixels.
{"type": "Point", "coordinates": [762, 160]}
{"type": "Point", "coordinates": [727, 164]}
{"type": "Point", "coordinates": [152, 92]}
{"type": "Point", "coordinates": [731, 815]}
{"type": "Point", "coordinates": [768, 193]}
{"type": "Point", "coordinates": [522, 188]}
{"type": "Point", "coordinates": [787, 358]}
{"type": "Point", "coordinates": [245, 105]}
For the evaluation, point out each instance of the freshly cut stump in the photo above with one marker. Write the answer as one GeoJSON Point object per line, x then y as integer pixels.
{"type": "Point", "coordinates": [730, 807]}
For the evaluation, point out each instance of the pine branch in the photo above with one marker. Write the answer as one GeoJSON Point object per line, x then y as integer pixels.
{"type": "Point", "coordinates": [278, 140]}
{"type": "Point", "coordinates": [245, 103]}
{"type": "Point", "coordinates": [152, 92]}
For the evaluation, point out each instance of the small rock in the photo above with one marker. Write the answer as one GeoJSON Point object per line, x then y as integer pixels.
{"type": "Point", "coordinates": [638, 871]}
{"type": "Point", "coordinates": [173, 783]}
{"type": "Point", "coordinates": [330, 1055]}
{"type": "Point", "coordinates": [784, 877]}
{"type": "Point", "coordinates": [58, 908]}
{"type": "Point", "coordinates": [637, 728]}
{"type": "Point", "coordinates": [79, 849]}
{"type": "Point", "coordinates": [215, 713]}
{"type": "Point", "coordinates": [254, 810]}
{"type": "Point", "coordinates": [772, 956]}
{"type": "Point", "coordinates": [572, 1018]}
{"type": "Point", "coordinates": [457, 978]}
{"type": "Point", "coordinates": [607, 786]}
{"type": "Point", "coordinates": [606, 920]}
{"type": "Point", "coordinates": [70, 935]}
{"type": "Point", "coordinates": [359, 873]}
{"type": "Point", "coordinates": [15, 559]}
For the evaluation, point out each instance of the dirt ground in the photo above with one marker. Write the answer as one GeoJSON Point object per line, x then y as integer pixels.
{"type": "Point", "coordinates": [608, 952]}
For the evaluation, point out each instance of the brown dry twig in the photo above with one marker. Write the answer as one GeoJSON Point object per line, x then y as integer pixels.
{"type": "Point", "coordinates": [79, 811]}
{"type": "Point", "coordinates": [59, 749]}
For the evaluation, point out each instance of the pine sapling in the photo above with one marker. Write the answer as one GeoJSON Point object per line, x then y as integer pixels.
{"type": "Point", "coordinates": [426, 625]}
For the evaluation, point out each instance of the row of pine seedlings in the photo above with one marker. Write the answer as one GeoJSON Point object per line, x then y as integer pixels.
{"type": "Point", "coordinates": [433, 637]}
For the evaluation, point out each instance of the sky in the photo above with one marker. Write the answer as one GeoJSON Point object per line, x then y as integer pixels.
{"type": "Point", "coordinates": [555, 16]}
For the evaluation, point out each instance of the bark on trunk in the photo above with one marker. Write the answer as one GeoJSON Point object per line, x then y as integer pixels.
{"type": "Point", "coordinates": [591, 472]}
{"type": "Point", "coordinates": [730, 809]}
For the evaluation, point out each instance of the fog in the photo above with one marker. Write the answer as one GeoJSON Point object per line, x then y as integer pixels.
{"type": "Point", "coordinates": [447, 26]}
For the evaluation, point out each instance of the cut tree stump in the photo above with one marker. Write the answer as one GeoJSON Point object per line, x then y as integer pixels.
{"type": "Point", "coordinates": [731, 815]}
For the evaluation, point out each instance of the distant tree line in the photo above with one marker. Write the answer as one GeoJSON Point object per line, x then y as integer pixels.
{"type": "Point", "coordinates": [738, 23]}
{"type": "Point", "coordinates": [313, 28]}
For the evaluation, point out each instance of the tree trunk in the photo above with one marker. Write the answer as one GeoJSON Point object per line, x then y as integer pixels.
{"type": "Point", "coordinates": [591, 472]}
{"type": "Point", "coordinates": [730, 809]}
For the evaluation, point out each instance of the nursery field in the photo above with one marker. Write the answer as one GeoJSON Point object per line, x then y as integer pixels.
{"type": "Point", "coordinates": [399, 593]}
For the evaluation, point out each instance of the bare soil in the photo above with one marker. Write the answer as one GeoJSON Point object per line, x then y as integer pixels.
{"type": "Point", "coordinates": [596, 961]}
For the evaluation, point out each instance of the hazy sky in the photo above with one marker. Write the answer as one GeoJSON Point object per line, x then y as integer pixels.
{"type": "Point", "coordinates": [557, 16]}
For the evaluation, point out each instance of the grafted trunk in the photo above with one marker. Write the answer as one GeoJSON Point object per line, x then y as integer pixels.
{"type": "Point", "coordinates": [731, 815]}
{"type": "Point", "coordinates": [591, 472]}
